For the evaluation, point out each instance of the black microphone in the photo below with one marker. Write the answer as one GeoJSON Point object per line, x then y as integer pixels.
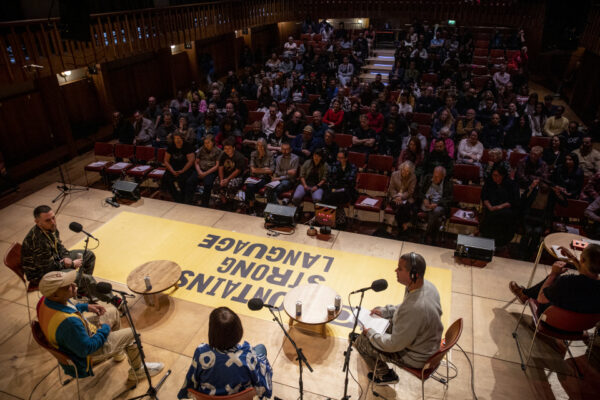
{"type": "Point", "coordinates": [377, 285]}
{"type": "Point", "coordinates": [76, 227]}
{"type": "Point", "coordinates": [106, 288]}
{"type": "Point", "coordinates": [256, 304]}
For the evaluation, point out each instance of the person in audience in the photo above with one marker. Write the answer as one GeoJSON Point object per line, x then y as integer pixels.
{"type": "Point", "coordinates": [448, 143]}
{"type": "Point", "coordinates": [143, 129]}
{"type": "Point", "coordinates": [250, 138]}
{"type": "Point", "coordinates": [276, 140]}
{"type": "Point", "coordinates": [364, 139]}
{"type": "Point", "coordinates": [437, 157]}
{"type": "Point", "coordinates": [589, 158]}
{"type": "Point", "coordinates": [415, 329]}
{"type": "Point", "coordinates": [231, 166]}
{"type": "Point", "coordinates": [572, 137]}
{"type": "Point", "coordinates": [153, 111]}
{"type": "Point", "coordinates": [286, 171]}
{"type": "Point", "coordinates": [538, 120]}
{"type": "Point", "coordinates": [375, 118]}
{"type": "Point", "coordinates": [206, 128]}
{"type": "Point", "coordinates": [179, 105]}
{"type": "Point", "coordinates": [295, 125]}
{"type": "Point", "coordinates": [549, 108]}
{"type": "Point", "coordinates": [537, 208]}
{"type": "Point", "coordinates": [262, 166]}
{"type": "Point", "coordinates": [591, 190]}
{"type": "Point", "coordinates": [180, 179]}
{"type": "Point", "coordinates": [556, 124]}
{"type": "Point", "coordinates": [510, 117]}
{"type": "Point", "coordinates": [270, 120]}
{"type": "Point", "coordinates": [412, 152]}
{"type": "Point", "coordinates": [341, 186]}
{"type": "Point", "coordinates": [531, 167]}
{"type": "Point", "coordinates": [436, 196]}
{"type": "Point", "coordinates": [518, 135]}
{"type": "Point", "coordinates": [470, 150]}
{"type": "Point", "coordinates": [569, 177]}
{"type": "Point", "coordinates": [195, 117]}
{"type": "Point", "coordinates": [500, 198]}
{"type": "Point", "coordinates": [319, 128]}
{"type": "Point", "coordinates": [185, 130]}
{"type": "Point", "coordinates": [351, 120]}
{"type": "Point", "coordinates": [207, 165]}
{"type": "Point", "coordinates": [232, 366]}
{"type": "Point", "coordinates": [313, 177]}
{"type": "Point", "coordinates": [401, 196]}
{"type": "Point", "coordinates": [487, 110]}
{"type": "Point", "coordinates": [334, 117]}
{"type": "Point", "coordinates": [466, 125]}
{"type": "Point", "coordinates": [345, 72]}
{"type": "Point", "coordinates": [496, 157]}
{"type": "Point", "coordinates": [554, 155]}
{"type": "Point", "coordinates": [122, 129]}
{"type": "Point", "coordinates": [404, 107]}
{"type": "Point", "coordinates": [414, 132]}
{"type": "Point", "coordinates": [228, 131]}
{"type": "Point", "coordinates": [305, 144]}
{"type": "Point", "coordinates": [390, 141]}
{"type": "Point", "coordinates": [265, 98]}
{"type": "Point", "coordinates": [445, 120]}
{"type": "Point", "coordinates": [492, 134]}
{"type": "Point", "coordinates": [579, 293]}
{"type": "Point", "coordinates": [164, 131]}
{"type": "Point", "coordinates": [428, 102]}
{"type": "Point", "coordinates": [468, 101]}
{"type": "Point", "coordinates": [86, 340]}
{"type": "Point", "coordinates": [330, 148]}
{"type": "Point", "coordinates": [501, 78]}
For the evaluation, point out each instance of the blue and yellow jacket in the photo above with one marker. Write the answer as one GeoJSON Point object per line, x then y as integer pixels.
{"type": "Point", "coordinates": [66, 330]}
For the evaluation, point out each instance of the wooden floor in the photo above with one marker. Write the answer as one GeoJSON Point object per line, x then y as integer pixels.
{"type": "Point", "coordinates": [479, 296]}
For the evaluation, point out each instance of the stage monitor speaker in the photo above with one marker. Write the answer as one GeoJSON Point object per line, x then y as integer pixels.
{"type": "Point", "coordinates": [126, 190]}
{"type": "Point", "coordinates": [477, 248]}
{"type": "Point", "coordinates": [280, 215]}
{"type": "Point", "coordinates": [75, 20]}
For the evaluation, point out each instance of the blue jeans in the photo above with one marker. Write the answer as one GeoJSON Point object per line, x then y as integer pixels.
{"type": "Point", "coordinates": [273, 194]}
{"type": "Point", "coordinates": [299, 194]}
{"type": "Point", "coordinates": [260, 349]}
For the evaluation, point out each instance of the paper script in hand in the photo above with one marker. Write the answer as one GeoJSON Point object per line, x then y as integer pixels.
{"type": "Point", "coordinates": [375, 322]}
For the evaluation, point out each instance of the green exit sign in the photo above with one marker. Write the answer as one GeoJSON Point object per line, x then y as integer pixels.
{"type": "Point", "coordinates": [451, 22]}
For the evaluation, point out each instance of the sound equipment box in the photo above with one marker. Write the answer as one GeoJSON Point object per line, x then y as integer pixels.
{"type": "Point", "coordinates": [126, 190]}
{"type": "Point", "coordinates": [280, 215]}
{"type": "Point", "coordinates": [477, 248]}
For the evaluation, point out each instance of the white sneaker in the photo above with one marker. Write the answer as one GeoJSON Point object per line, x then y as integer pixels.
{"type": "Point", "coordinates": [154, 368]}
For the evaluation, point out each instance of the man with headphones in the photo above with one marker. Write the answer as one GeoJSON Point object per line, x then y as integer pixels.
{"type": "Point", "coordinates": [415, 330]}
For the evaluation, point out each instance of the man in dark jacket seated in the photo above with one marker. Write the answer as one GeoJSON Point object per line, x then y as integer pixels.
{"type": "Point", "coordinates": [436, 195]}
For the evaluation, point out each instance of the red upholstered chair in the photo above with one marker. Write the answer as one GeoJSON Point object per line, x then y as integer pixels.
{"type": "Point", "coordinates": [374, 187]}
{"type": "Point", "coordinates": [450, 339]}
{"type": "Point", "coordinates": [247, 394]}
{"type": "Point", "coordinates": [515, 157]}
{"type": "Point", "coordinates": [479, 70]}
{"type": "Point", "coordinates": [358, 159]}
{"type": "Point", "coordinates": [510, 54]}
{"type": "Point", "coordinates": [482, 44]}
{"type": "Point", "coordinates": [540, 141]}
{"type": "Point", "coordinates": [343, 140]}
{"type": "Point", "coordinates": [119, 168]}
{"type": "Point", "coordinates": [466, 173]}
{"type": "Point", "coordinates": [465, 194]}
{"type": "Point", "coordinates": [497, 53]}
{"type": "Point", "coordinates": [157, 173]}
{"type": "Point", "coordinates": [313, 97]}
{"type": "Point", "coordinates": [573, 214]}
{"type": "Point", "coordinates": [381, 164]}
{"type": "Point", "coordinates": [429, 78]}
{"type": "Point", "coordinates": [479, 82]}
{"type": "Point", "coordinates": [101, 149]}
{"type": "Point", "coordinates": [421, 118]}
{"type": "Point", "coordinates": [140, 171]}
{"type": "Point", "coordinates": [557, 323]}
{"type": "Point", "coordinates": [12, 259]}
{"type": "Point", "coordinates": [255, 116]}
{"type": "Point", "coordinates": [251, 104]}
{"type": "Point", "coordinates": [425, 130]}
{"type": "Point", "coordinates": [480, 52]}
{"type": "Point", "coordinates": [480, 60]}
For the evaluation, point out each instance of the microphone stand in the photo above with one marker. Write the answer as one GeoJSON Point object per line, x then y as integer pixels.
{"type": "Point", "coordinates": [80, 280]}
{"type": "Point", "coordinates": [152, 391]}
{"type": "Point", "coordinates": [64, 189]}
{"type": "Point", "coordinates": [300, 355]}
{"type": "Point", "coordinates": [348, 352]}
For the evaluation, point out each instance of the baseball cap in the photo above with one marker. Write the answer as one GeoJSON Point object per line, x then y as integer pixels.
{"type": "Point", "coordinates": [54, 280]}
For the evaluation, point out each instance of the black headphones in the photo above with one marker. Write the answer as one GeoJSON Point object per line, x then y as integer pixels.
{"type": "Point", "coordinates": [413, 267]}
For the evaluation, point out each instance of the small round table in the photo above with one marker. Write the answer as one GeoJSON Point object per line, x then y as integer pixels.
{"type": "Point", "coordinates": [163, 275]}
{"type": "Point", "coordinates": [315, 299]}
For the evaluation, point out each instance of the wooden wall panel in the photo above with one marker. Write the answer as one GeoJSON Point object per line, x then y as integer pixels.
{"type": "Point", "coordinates": [81, 102]}
{"type": "Point", "coordinates": [180, 68]}
{"type": "Point", "coordinates": [586, 96]}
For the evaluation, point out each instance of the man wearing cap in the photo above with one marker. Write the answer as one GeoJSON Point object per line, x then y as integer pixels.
{"type": "Point", "coordinates": [69, 331]}
{"type": "Point", "coordinates": [305, 145]}
{"type": "Point", "coordinates": [43, 252]}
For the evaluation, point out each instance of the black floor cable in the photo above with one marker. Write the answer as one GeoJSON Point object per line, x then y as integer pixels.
{"type": "Point", "coordinates": [472, 372]}
{"type": "Point", "coordinates": [41, 380]}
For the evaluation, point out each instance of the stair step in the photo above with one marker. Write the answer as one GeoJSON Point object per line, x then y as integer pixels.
{"type": "Point", "coordinates": [378, 67]}
{"type": "Point", "coordinates": [381, 60]}
{"type": "Point", "coordinates": [370, 77]}
{"type": "Point", "coordinates": [384, 52]}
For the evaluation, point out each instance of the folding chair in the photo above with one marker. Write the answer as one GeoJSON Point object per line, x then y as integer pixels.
{"type": "Point", "coordinates": [12, 259]}
{"type": "Point", "coordinates": [119, 168]}
{"type": "Point", "coordinates": [102, 149]}
{"type": "Point", "coordinates": [157, 173]}
{"type": "Point", "coordinates": [557, 323]}
{"type": "Point", "coordinates": [515, 157]}
{"type": "Point", "coordinates": [372, 189]}
{"type": "Point", "coordinates": [140, 171]}
{"type": "Point", "coordinates": [575, 210]}
{"type": "Point", "coordinates": [467, 173]}
{"type": "Point", "coordinates": [450, 339]}
{"type": "Point", "coordinates": [381, 164]}
{"type": "Point", "coordinates": [358, 159]}
{"type": "Point", "coordinates": [246, 394]}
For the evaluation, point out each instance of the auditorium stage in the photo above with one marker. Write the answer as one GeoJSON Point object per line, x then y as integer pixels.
{"type": "Point", "coordinates": [479, 296]}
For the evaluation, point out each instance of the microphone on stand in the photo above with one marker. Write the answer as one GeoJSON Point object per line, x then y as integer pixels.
{"type": "Point", "coordinates": [377, 286]}
{"type": "Point", "coordinates": [76, 227]}
{"type": "Point", "coordinates": [256, 304]}
{"type": "Point", "coordinates": [106, 288]}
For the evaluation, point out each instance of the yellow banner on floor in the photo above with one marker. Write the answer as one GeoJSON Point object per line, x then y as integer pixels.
{"type": "Point", "coordinates": [224, 268]}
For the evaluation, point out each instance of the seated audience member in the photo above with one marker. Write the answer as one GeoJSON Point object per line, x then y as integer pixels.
{"type": "Point", "coordinates": [276, 140]}
{"type": "Point", "coordinates": [390, 141]}
{"type": "Point", "coordinates": [415, 330]}
{"type": "Point", "coordinates": [468, 100]}
{"type": "Point", "coordinates": [404, 106]}
{"type": "Point", "coordinates": [265, 99]}
{"type": "Point", "coordinates": [500, 197]}
{"type": "Point", "coordinates": [330, 148]}
{"type": "Point", "coordinates": [591, 190]}
{"type": "Point", "coordinates": [449, 143]}
{"type": "Point", "coordinates": [294, 126]}
{"type": "Point", "coordinates": [470, 150]}
{"type": "Point", "coordinates": [375, 118]}
{"type": "Point", "coordinates": [589, 158]}
{"type": "Point", "coordinates": [86, 340]}
{"type": "Point", "coordinates": [232, 115]}
{"type": "Point", "coordinates": [341, 185]}
{"type": "Point", "coordinates": [438, 157]}
{"type": "Point", "coordinates": [42, 251]}
{"type": "Point", "coordinates": [351, 120]}
{"type": "Point", "coordinates": [207, 165]}
{"type": "Point", "coordinates": [262, 166]}
{"type": "Point", "coordinates": [273, 63]}
{"type": "Point", "coordinates": [122, 129]}
{"type": "Point", "coordinates": [487, 111]}
{"type": "Point", "coordinates": [179, 105]}
{"type": "Point", "coordinates": [195, 116]}
{"type": "Point", "coordinates": [574, 292]}
{"type": "Point", "coordinates": [492, 135]}
{"type": "Point", "coordinates": [495, 158]}
{"type": "Point", "coordinates": [319, 128]}
{"type": "Point", "coordinates": [180, 179]}
{"type": "Point", "coordinates": [313, 177]}
{"type": "Point", "coordinates": [592, 213]}
{"type": "Point", "coordinates": [401, 195]}
{"type": "Point", "coordinates": [250, 138]}
{"type": "Point", "coordinates": [286, 171]}
{"type": "Point", "coordinates": [501, 78]}
{"type": "Point", "coordinates": [228, 131]}
{"type": "Point", "coordinates": [208, 127]}
{"type": "Point", "coordinates": [153, 111]}
{"type": "Point", "coordinates": [334, 117]}
{"type": "Point", "coordinates": [518, 135]}
{"type": "Point", "coordinates": [436, 196]}
{"type": "Point", "coordinates": [573, 137]}
{"type": "Point", "coordinates": [290, 47]}
{"type": "Point", "coordinates": [569, 177]}
{"type": "Point", "coordinates": [144, 130]}
{"type": "Point", "coordinates": [186, 132]}
{"type": "Point", "coordinates": [414, 132]}
{"type": "Point", "coordinates": [231, 167]}
{"type": "Point", "coordinates": [364, 139]}
{"type": "Point", "coordinates": [233, 366]}
{"type": "Point", "coordinates": [465, 126]}
{"type": "Point", "coordinates": [538, 120]}
{"type": "Point", "coordinates": [345, 71]}
{"type": "Point", "coordinates": [554, 155]}
{"type": "Point", "coordinates": [164, 131]}
{"type": "Point", "coordinates": [428, 102]}
{"type": "Point", "coordinates": [412, 152]}
{"type": "Point", "coordinates": [305, 144]}
{"type": "Point", "coordinates": [445, 120]}
{"type": "Point", "coordinates": [531, 167]}
{"type": "Point", "coordinates": [270, 120]}
{"type": "Point", "coordinates": [345, 102]}
{"type": "Point", "coordinates": [549, 108]}
{"type": "Point", "coordinates": [537, 208]}
{"type": "Point", "coordinates": [556, 124]}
